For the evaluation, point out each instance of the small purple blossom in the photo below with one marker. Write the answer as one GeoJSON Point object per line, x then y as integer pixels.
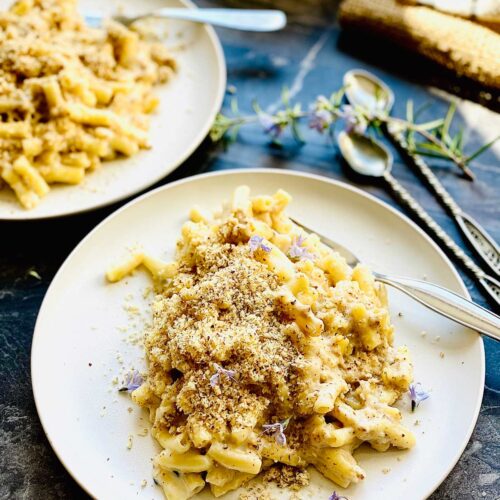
{"type": "Point", "coordinates": [256, 242]}
{"type": "Point", "coordinates": [336, 496]}
{"type": "Point", "coordinates": [417, 395]}
{"type": "Point", "coordinates": [320, 120]}
{"type": "Point", "coordinates": [270, 125]}
{"type": "Point", "coordinates": [353, 121]}
{"type": "Point", "coordinates": [277, 430]}
{"type": "Point", "coordinates": [132, 382]}
{"type": "Point", "coordinates": [297, 250]}
{"type": "Point", "coordinates": [219, 371]}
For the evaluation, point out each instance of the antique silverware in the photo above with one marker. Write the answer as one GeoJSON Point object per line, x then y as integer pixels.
{"type": "Point", "coordinates": [240, 19]}
{"type": "Point", "coordinates": [365, 89]}
{"type": "Point", "coordinates": [370, 158]}
{"type": "Point", "coordinates": [435, 297]}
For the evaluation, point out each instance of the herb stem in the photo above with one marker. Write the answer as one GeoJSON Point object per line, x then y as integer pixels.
{"type": "Point", "coordinates": [434, 140]}
{"type": "Point", "coordinates": [325, 112]}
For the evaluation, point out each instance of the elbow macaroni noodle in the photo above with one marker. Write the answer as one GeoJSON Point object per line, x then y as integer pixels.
{"type": "Point", "coordinates": [306, 345]}
{"type": "Point", "coordinates": [71, 96]}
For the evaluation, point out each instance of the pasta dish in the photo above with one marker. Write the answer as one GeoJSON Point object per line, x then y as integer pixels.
{"type": "Point", "coordinates": [267, 353]}
{"type": "Point", "coordinates": [71, 96]}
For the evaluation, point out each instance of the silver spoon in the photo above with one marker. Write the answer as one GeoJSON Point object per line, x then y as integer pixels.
{"type": "Point", "coordinates": [370, 158]}
{"type": "Point", "coordinates": [240, 19]}
{"type": "Point", "coordinates": [368, 91]}
{"type": "Point", "coordinates": [435, 297]}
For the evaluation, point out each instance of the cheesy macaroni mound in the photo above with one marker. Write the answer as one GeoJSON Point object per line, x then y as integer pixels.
{"type": "Point", "coordinates": [70, 96]}
{"type": "Point", "coordinates": [266, 350]}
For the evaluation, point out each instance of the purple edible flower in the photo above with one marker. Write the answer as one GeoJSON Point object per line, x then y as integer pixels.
{"type": "Point", "coordinates": [417, 395]}
{"type": "Point", "coordinates": [335, 496]}
{"type": "Point", "coordinates": [270, 125]}
{"type": "Point", "coordinates": [320, 120]}
{"type": "Point", "coordinates": [256, 242]}
{"type": "Point", "coordinates": [132, 382]}
{"type": "Point", "coordinates": [277, 430]}
{"type": "Point", "coordinates": [297, 250]}
{"type": "Point", "coordinates": [354, 123]}
{"type": "Point", "coordinates": [216, 377]}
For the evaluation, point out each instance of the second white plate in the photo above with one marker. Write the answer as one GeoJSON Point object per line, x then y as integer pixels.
{"type": "Point", "coordinates": [80, 342]}
{"type": "Point", "coordinates": [189, 104]}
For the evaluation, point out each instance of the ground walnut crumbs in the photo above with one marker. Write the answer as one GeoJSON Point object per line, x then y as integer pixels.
{"type": "Point", "coordinates": [287, 477]}
{"type": "Point", "coordinates": [227, 315]}
{"type": "Point", "coordinates": [267, 353]}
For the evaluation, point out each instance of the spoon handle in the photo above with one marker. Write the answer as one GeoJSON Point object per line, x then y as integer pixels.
{"type": "Point", "coordinates": [477, 236]}
{"type": "Point", "coordinates": [447, 303]}
{"type": "Point", "coordinates": [490, 284]}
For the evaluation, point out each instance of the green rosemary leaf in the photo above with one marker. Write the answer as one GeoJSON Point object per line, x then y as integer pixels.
{"type": "Point", "coordinates": [430, 125]}
{"type": "Point", "coordinates": [431, 155]}
{"type": "Point", "coordinates": [409, 111]}
{"type": "Point", "coordinates": [428, 146]}
{"type": "Point", "coordinates": [234, 105]}
{"type": "Point", "coordinates": [447, 120]}
{"type": "Point", "coordinates": [457, 142]}
{"type": "Point", "coordinates": [285, 96]}
{"type": "Point", "coordinates": [481, 150]}
{"type": "Point", "coordinates": [336, 97]}
{"type": "Point", "coordinates": [34, 273]}
{"type": "Point", "coordinates": [256, 107]}
{"type": "Point", "coordinates": [460, 141]}
{"type": "Point", "coordinates": [219, 128]}
{"type": "Point", "coordinates": [421, 109]}
{"type": "Point", "coordinates": [296, 132]}
{"type": "Point", "coordinates": [410, 139]}
{"type": "Point", "coordinates": [233, 135]}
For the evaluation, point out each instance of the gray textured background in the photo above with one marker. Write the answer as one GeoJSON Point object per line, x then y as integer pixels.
{"type": "Point", "coordinates": [310, 57]}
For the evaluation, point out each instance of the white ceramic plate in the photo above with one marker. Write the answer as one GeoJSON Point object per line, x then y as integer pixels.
{"type": "Point", "coordinates": [189, 103]}
{"type": "Point", "coordinates": [87, 421]}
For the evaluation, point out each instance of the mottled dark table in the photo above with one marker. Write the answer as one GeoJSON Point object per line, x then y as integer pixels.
{"type": "Point", "coordinates": [309, 57]}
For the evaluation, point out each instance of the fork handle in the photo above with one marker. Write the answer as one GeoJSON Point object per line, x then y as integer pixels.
{"type": "Point", "coordinates": [477, 236]}
{"type": "Point", "coordinates": [447, 303]}
{"type": "Point", "coordinates": [241, 19]}
{"type": "Point", "coordinates": [490, 284]}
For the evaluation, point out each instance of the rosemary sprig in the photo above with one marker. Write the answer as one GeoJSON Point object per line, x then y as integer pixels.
{"type": "Point", "coordinates": [434, 139]}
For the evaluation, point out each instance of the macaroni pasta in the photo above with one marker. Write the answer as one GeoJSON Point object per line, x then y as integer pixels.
{"type": "Point", "coordinates": [70, 96]}
{"type": "Point", "coordinates": [265, 347]}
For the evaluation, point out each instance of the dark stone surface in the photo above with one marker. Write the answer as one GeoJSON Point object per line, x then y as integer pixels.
{"type": "Point", "coordinates": [259, 66]}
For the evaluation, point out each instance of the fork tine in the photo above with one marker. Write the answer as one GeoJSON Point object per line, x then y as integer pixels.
{"type": "Point", "coordinates": [351, 259]}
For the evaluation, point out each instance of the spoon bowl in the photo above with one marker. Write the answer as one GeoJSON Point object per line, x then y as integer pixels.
{"type": "Point", "coordinates": [367, 91]}
{"type": "Point", "coordinates": [365, 155]}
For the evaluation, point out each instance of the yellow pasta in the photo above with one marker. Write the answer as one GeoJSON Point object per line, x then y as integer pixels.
{"type": "Point", "coordinates": [62, 84]}
{"type": "Point", "coordinates": [63, 174]}
{"type": "Point", "coordinates": [14, 130]}
{"type": "Point", "coordinates": [237, 480]}
{"type": "Point", "coordinates": [31, 176]}
{"type": "Point", "coordinates": [340, 466]}
{"type": "Point", "coordinates": [243, 460]}
{"type": "Point", "coordinates": [265, 348]}
{"type": "Point", "coordinates": [189, 461]}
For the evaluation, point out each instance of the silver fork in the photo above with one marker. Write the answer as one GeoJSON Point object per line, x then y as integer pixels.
{"type": "Point", "coordinates": [240, 19]}
{"type": "Point", "coordinates": [435, 297]}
